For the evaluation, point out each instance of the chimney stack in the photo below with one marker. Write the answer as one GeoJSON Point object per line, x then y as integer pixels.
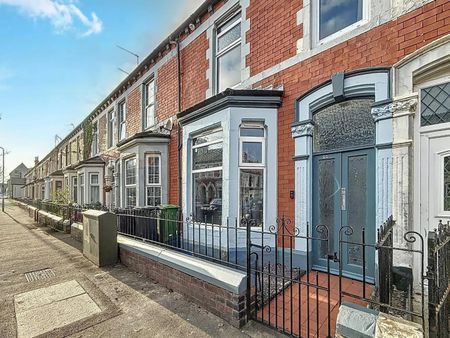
{"type": "Point", "coordinates": [36, 160]}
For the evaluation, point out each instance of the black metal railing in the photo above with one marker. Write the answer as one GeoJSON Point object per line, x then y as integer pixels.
{"type": "Point", "coordinates": [438, 281]}
{"type": "Point", "coordinates": [70, 212]}
{"type": "Point", "coordinates": [221, 243]}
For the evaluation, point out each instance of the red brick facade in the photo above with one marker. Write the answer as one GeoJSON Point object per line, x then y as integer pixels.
{"type": "Point", "coordinates": [134, 124]}
{"type": "Point", "coordinates": [272, 37]}
{"type": "Point", "coordinates": [381, 46]}
{"type": "Point", "coordinates": [273, 33]}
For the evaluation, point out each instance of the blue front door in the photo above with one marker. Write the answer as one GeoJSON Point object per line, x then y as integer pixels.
{"type": "Point", "coordinates": [344, 196]}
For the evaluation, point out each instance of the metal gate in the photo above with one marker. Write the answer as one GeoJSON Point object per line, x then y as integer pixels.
{"type": "Point", "coordinates": [284, 292]}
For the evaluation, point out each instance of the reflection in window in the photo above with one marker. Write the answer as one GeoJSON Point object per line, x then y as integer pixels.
{"type": "Point", "coordinates": [447, 183]}
{"type": "Point", "coordinates": [336, 15]}
{"type": "Point", "coordinates": [130, 183]}
{"type": "Point", "coordinates": [228, 53]}
{"type": "Point", "coordinates": [252, 195]}
{"type": "Point", "coordinates": [153, 180]}
{"type": "Point", "coordinates": [207, 177]}
{"type": "Point", "coordinates": [344, 125]}
{"type": "Point", "coordinates": [435, 104]}
{"type": "Point", "coordinates": [81, 182]}
{"type": "Point", "coordinates": [122, 120]}
{"type": "Point", "coordinates": [252, 168]}
{"type": "Point", "coordinates": [94, 189]}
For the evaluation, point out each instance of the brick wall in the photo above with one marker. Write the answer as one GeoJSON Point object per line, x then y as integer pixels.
{"type": "Point", "coordinates": [194, 65]}
{"type": "Point", "coordinates": [134, 124]}
{"type": "Point", "coordinates": [167, 90]}
{"type": "Point", "coordinates": [273, 32]}
{"type": "Point", "coordinates": [221, 302]}
{"type": "Point", "coordinates": [382, 46]}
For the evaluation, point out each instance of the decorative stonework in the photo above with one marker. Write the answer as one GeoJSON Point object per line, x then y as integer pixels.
{"type": "Point", "coordinates": [382, 112]}
{"type": "Point", "coordinates": [407, 105]}
{"type": "Point", "coordinates": [302, 130]}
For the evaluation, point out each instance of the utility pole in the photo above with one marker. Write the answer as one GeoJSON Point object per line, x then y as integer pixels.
{"type": "Point", "coordinates": [3, 179]}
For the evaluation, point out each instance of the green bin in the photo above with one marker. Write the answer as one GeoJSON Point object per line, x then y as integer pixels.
{"type": "Point", "coordinates": [168, 224]}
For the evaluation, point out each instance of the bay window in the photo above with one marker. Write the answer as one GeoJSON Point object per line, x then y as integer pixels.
{"type": "Point", "coordinates": [252, 172]}
{"type": "Point", "coordinates": [228, 53]}
{"type": "Point", "coordinates": [130, 183]}
{"type": "Point", "coordinates": [122, 120]}
{"type": "Point", "coordinates": [149, 103]}
{"type": "Point", "coordinates": [74, 189]}
{"type": "Point", "coordinates": [153, 180]}
{"type": "Point", "coordinates": [94, 188]}
{"type": "Point", "coordinates": [81, 183]}
{"type": "Point", "coordinates": [207, 151]}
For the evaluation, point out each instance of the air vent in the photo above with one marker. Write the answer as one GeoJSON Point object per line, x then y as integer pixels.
{"type": "Point", "coordinates": [39, 274]}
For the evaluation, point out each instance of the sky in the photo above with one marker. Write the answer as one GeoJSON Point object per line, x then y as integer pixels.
{"type": "Point", "coordinates": [59, 60]}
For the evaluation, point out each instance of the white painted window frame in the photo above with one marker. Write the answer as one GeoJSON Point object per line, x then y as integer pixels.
{"type": "Point", "coordinates": [81, 186]}
{"type": "Point", "coordinates": [147, 181]}
{"type": "Point", "coordinates": [133, 185]}
{"type": "Point", "coordinates": [94, 185]}
{"type": "Point", "coordinates": [192, 171]}
{"type": "Point", "coordinates": [229, 48]}
{"type": "Point", "coordinates": [316, 23]}
{"type": "Point", "coordinates": [122, 120]}
{"type": "Point", "coordinates": [110, 126]}
{"type": "Point", "coordinates": [260, 166]}
{"type": "Point", "coordinates": [147, 103]}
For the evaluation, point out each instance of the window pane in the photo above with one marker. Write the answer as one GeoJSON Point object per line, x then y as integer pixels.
{"type": "Point", "coordinates": [253, 132]}
{"type": "Point", "coordinates": [435, 104]}
{"type": "Point", "coordinates": [150, 115]}
{"type": "Point", "coordinates": [229, 37]}
{"type": "Point", "coordinates": [447, 183]}
{"type": "Point", "coordinates": [130, 172]}
{"type": "Point", "coordinates": [251, 152]}
{"type": "Point", "coordinates": [336, 15]}
{"type": "Point", "coordinates": [210, 137]}
{"type": "Point", "coordinates": [153, 169]}
{"type": "Point", "coordinates": [252, 195]}
{"type": "Point", "coordinates": [153, 196]}
{"type": "Point", "coordinates": [208, 156]}
{"type": "Point", "coordinates": [95, 194]}
{"type": "Point", "coordinates": [228, 23]}
{"type": "Point", "coordinates": [130, 197]}
{"type": "Point", "coordinates": [229, 69]}
{"type": "Point", "coordinates": [343, 125]}
{"type": "Point", "coordinates": [94, 179]}
{"type": "Point", "coordinates": [208, 197]}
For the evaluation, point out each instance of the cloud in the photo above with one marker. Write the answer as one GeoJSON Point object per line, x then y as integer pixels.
{"type": "Point", "coordinates": [62, 15]}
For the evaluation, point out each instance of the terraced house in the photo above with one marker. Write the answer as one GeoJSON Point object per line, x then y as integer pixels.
{"type": "Point", "coordinates": [331, 113]}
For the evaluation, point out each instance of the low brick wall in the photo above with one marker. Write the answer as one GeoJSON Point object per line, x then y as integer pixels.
{"type": "Point", "coordinates": [223, 303]}
{"type": "Point", "coordinates": [76, 231]}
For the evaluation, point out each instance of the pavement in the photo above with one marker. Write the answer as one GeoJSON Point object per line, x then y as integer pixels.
{"type": "Point", "coordinates": [48, 289]}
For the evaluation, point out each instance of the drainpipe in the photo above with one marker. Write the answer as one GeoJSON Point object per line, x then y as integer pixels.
{"type": "Point", "coordinates": [180, 107]}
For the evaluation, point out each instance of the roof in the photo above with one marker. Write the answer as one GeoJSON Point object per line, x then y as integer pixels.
{"type": "Point", "coordinates": [254, 98]}
{"type": "Point", "coordinates": [92, 160]}
{"type": "Point", "coordinates": [142, 135]}
{"type": "Point", "coordinates": [21, 167]}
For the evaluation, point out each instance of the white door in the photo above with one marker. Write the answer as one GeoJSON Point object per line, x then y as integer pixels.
{"type": "Point", "coordinates": [435, 184]}
{"type": "Point", "coordinates": [433, 160]}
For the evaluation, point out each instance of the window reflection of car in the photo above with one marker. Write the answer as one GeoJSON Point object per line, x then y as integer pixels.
{"type": "Point", "coordinates": [214, 205]}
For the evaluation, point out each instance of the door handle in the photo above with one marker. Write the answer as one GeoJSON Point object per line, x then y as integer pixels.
{"type": "Point", "coordinates": [343, 199]}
